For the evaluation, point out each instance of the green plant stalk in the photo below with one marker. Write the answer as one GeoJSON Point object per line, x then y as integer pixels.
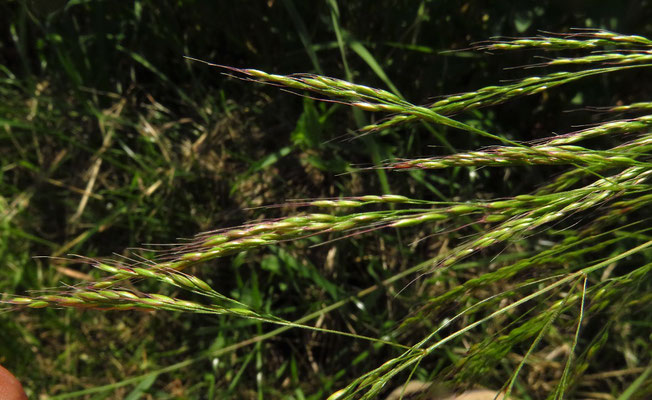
{"type": "Point", "coordinates": [381, 375]}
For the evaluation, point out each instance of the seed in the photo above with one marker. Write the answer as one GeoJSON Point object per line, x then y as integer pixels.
{"type": "Point", "coordinates": [191, 256]}
{"type": "Point", "coordinates": [21, 300]}
{"type": "Point", "coordinates": [189, 304]}
{"type": "Point", "coordinates": [72, 301]}
{"type": "Point", "coordinates": [525, 197]}
{"type": "Point", "coordinates": [344, 225]}
{"type": "Point", "coordinates": [348, 203]}
{"type": "Point", "coordinates": [242, 311]}
{"type": "Point", "coordinates": [215, 240]}
{"type": "Point", "coordinates": [323, 203]}
{"type": "Point", "coordinates": [162, 297]}
{"type": "Point", "coordinates": [254, 241]}
{"type": "Point", "coordinates": [109, 294]}
{"type": "Point", "coordinates": [433, 217]}
{"type": "Point", "coordinates": [294, 221]}
{"type": "Point", "coordinates": [367, 106]}
{"type": "Point", "coordinates": [495, 218]}
{"type": "Point", "coordinates": [237, 233]}
{"type": "Point", "coordinates": [322, 217]}
{"type": "Point", "coordinates": [92, 296]}
{"type": "Point", "coordinates": [370, 198]}
{"type": "Point", "coordinates": [181, 280]}
{"type": "Point", "coordinates": [108, 268]}
{"type": "Point", "coordinates": [462, 209]}
{"type": "Point", "coordinates": [145, 272]}
{"type": "Point", "coordinates": [38, 304]}
{"type": "Point", "coordinates": [315, 83]}
{"type": "Point", "coordinates": [502, 204]}
{"type": "Point", "coordinates": [406, 222]}
{"type": "Point", "coordinates": [394, 198]}
{"type": "Point", "coordinates": [200, 283]}
{"type": "Point", "coordinates": [318, 226]}
{"type": "Point", "coordinates": [366, 217]}
{"type": "Point", "coordinates": [127, 295]}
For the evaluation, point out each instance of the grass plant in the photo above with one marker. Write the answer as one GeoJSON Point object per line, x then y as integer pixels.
{"type": "Point", "coordinates": [532, 287]}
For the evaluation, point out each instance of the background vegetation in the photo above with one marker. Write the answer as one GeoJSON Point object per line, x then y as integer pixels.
{"type": "Point", "coordinates": [110, 139]}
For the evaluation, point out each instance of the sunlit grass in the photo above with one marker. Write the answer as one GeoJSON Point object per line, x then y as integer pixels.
{"type": "Point", "coordinates": [558, 270]}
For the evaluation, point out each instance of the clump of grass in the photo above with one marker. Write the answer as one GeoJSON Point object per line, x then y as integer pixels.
{"type": "Point", "coordinates": [581, 242]}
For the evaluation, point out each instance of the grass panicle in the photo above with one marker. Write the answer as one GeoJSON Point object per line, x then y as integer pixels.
{"type": "Point", "coordinates": [581, 241]}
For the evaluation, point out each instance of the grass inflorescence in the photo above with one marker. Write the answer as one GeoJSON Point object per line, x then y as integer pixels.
{"type": "Point", "coordinates": [581, 241]}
